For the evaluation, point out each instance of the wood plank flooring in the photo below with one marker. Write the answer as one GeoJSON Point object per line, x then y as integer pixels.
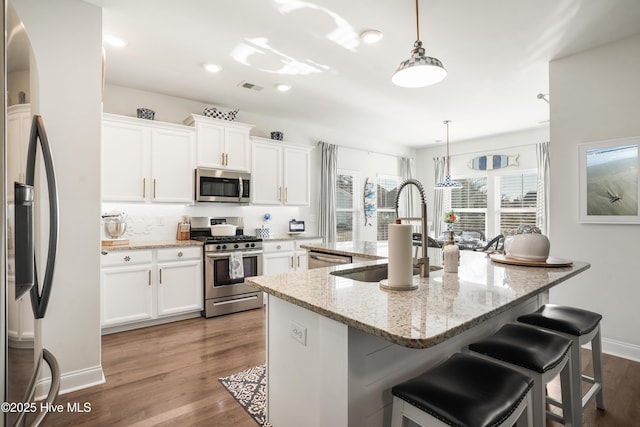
{"type": "Point", "coordinates": [167, 375]}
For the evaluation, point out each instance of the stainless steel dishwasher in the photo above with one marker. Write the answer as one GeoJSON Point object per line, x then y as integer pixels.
{"type": "Point", "coordinates": [321, 259]}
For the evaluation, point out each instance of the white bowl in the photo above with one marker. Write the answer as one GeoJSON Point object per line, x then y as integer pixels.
{"type": "Point", "coordinates": [528, 247]}
{"type": "Point", "coordinates": [223, 230]}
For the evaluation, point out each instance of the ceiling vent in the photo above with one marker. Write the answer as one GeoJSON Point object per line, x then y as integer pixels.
{"type": "Point", "coordinates": [250, 86]}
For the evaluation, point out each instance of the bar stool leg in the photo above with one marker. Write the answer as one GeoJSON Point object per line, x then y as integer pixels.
{"type": "Point", "coordinates": [596, 357]}
{"type": "Point", "coordinates": [566, 384]}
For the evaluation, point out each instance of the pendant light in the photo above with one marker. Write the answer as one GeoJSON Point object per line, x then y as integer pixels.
{"type": "Point", "coordinates": [419, 70]}
{"type": "Point", "coordinates": [448, 183]}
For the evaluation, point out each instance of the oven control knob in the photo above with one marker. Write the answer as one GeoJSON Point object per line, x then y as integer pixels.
{"type": "Point", "coordinates": [253, 245]}
{"type": "Point", "coordinates": [246, 245]}
{"type": "Point", "coordinates": [224, 246]}
{"type": "Point", "coordinates": [235, 246]}
{"type": "Point", "coordinates": [218, 247]}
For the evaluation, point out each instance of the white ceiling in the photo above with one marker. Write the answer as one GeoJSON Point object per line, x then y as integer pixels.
{"type": "Point", "coordinates": [496, 53]}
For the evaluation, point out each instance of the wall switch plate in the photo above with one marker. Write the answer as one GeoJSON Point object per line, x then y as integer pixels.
{"type": "Point", "coordinates": [298, 333]}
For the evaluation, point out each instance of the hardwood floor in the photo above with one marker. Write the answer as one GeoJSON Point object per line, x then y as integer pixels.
{"type": "Point", "coordinates": [167, 375]}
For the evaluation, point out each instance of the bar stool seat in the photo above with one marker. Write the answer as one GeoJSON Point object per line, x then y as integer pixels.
{"type": "Point", "coordinates": [537, 353]}
{"type": "Point", "coordinates": [464, 391]}
{"type": "Point", "coordinates": [582, 327]}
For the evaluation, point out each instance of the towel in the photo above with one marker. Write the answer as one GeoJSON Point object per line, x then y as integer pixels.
{"type": "Point", "coordinates": [236, 267]}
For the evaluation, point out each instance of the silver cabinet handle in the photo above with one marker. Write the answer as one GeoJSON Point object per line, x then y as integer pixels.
{"type": "Point", "coordinates": [180, 254]}
{"type": "Point", "coordinates": [149, 277]}
{"type": "Point", "coordinates": [161, 276]}
{"type": "Point", "coordinates": [144, 187]}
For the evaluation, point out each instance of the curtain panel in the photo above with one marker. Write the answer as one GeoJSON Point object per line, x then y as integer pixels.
{"type": "Point", "coordinates": [542, 203]}
{"type": "Point", "coordinates": [327, 205]}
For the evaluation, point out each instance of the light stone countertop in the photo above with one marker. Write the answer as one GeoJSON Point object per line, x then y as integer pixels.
{"type": "Point", "coordinates": [444, 305]}
{"type": "Point", "coordinates": [155, 244]}
{"type": "Point", "coordinates": [285, 237]}
{"type": "Point", "coordinates": [362, 249]}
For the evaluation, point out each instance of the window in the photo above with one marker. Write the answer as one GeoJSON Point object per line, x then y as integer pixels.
{"type": "Point", "coordinates": [386, 192]}
{"type": "Point", "coordinates": [470, 204]}
{"type": "Point", "coordinates": [345, 209]}
{"type": "Point", "coordinates": [518, 200]}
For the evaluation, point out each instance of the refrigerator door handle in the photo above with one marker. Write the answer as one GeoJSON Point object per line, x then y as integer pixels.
{"type": "Point", "coordinates": [40, 299]}
{"type": "Point", "coordinates": [54, 389]}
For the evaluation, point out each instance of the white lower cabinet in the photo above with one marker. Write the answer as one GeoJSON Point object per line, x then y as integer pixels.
{"type": "Point", "coordinates": [285, 256]}
{"type": "Point", "coordinates": [146, 285]}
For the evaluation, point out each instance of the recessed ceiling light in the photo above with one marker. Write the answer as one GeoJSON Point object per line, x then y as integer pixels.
{"type": "Point", "coordinates": [115, 41]}
{"type": "Point", "coordinates": [371, 36]}
{"type": "Point", "coordinates": [283, 87]}
{"type": "Point", "coordinates": [212, 68]}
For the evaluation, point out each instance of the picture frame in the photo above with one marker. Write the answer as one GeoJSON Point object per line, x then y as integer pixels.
{"type": "Point", "coordinates": [609, 184]}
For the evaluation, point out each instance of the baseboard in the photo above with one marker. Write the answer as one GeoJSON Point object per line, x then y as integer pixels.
{"type": "Point", "coordinates": [72, 381]}
{"type": "Point", "coordinates": [621, 349]}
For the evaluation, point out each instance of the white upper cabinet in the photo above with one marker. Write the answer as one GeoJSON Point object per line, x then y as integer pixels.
{"type": "Point", "coordinates": [146, 161]}
{"type": "Point", "coordinates": [280, 174]}
{"type": "Point", "coordinates": [221, 144]}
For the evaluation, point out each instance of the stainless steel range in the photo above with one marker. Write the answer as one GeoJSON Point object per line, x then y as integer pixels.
{"type": "Point", "coordinates": [228, 259]}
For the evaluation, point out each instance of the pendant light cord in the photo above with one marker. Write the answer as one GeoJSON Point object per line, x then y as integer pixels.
{"type": "Point", "coordinates": [446, 122]}
{"type": "Point", "coordinates": [417, 23]}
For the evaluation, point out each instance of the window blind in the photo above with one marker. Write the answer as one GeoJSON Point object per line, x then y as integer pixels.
{"type": "Point", "coordinates": [470, 204]}
{"type": "Point", "coordinates": [344, 207]}
{"type": "Point", "coordinates": [518, 200]}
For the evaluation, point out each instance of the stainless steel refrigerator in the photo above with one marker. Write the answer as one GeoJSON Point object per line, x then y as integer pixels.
{"type": "Point", "coordinates": [29, 238]}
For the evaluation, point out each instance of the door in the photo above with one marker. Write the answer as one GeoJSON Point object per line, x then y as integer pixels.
{"type": "Point", "coordinates": [126, 295]}
{"type": "Point", "coordinates": [179, 287]}
{"type": "Point", "coordinates": [296, 177]}
{"type": "Point", "coordinates": [171, 165]}
{"type": "Point", "coordinates": [267, 174]}
{"type": "Point", "coordinates": [124, 162]}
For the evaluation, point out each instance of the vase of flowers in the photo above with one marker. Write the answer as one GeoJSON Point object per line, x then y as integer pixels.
{"type": "Point", "coordinates": [450, 218]}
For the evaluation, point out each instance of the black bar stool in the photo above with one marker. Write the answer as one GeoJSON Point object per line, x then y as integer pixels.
{"type": "Point", "coordinates": [536, 353]}
{"type": "Point", "coordinates": [581, 326]}
{"type": "Point", "coordinates": [464, 391]}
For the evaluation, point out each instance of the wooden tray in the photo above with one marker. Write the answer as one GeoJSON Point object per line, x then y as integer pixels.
{"type": "Point", "coordinates": [550, 262]}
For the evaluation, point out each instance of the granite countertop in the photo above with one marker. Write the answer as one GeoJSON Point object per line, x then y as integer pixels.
{"type": "Point", "coordinates": [362, 249]}
{"type": "Point", "coordinates": [444, 305]}
{"type": "Point", "coordinates": [155, 244]}
{"type": "Point", "coordinates": [284, 237]}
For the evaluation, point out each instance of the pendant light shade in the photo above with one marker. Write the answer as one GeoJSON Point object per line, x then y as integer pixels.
{"type": "Point", "coordinates": [448, 183]}
{"type": "Point", "coordinates": [419, 70]}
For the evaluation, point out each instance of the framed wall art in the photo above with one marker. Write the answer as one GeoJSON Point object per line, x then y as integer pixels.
{"type": "Point", "coordinates": [608, 182]}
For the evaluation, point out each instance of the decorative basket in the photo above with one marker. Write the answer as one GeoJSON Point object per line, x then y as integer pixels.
{"type": "Point", "coordinates": [217, 114]}
{"type": "Point", "coordinates": [277, 135]}
{"type": "Point", "coordinates": [262, 232]}
{"type": "Point", "coordinates": [145, 113]}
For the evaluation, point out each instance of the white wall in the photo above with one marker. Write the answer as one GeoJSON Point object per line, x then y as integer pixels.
{"type": "Point", "coordinates": [67, 95]}
{"type": "Point", "coordinates": [595, 96]}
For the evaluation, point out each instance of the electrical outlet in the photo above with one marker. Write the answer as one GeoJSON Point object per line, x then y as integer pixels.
{"type": "Point", "coordinates": [298, 333]}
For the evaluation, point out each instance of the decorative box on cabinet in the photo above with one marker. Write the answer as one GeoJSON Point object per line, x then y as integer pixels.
{"type": "Point", "coordinates": [221, 144]}
{"type": "Point", "coordinates": [280, 173]}
{"type": "Point", "coordinates": [145, 287]}
{"type": "Point", "coordinates": [146, 161]}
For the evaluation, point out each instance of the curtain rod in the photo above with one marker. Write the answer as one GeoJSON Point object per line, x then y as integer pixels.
{"type": "Point", "coordinates": [367, 151]}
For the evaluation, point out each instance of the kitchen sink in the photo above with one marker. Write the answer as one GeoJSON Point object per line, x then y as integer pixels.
{"type": "Point", "coordinates": [373, 273]}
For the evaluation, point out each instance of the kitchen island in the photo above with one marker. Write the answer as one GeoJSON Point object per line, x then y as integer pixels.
{"type": "Point", "coordinates": [336, 346]}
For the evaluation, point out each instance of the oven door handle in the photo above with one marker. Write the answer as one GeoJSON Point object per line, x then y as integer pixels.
{"type": "Point", "coordinates": [227, 254]}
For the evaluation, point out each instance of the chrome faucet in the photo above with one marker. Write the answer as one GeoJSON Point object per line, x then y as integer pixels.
{"type": "Point", "coordinates": [423, 262]}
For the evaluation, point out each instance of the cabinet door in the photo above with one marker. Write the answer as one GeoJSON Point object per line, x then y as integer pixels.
{"type": "Point", "coordinates": [266, 175]}
{"type": "Point", "coordinates": [210, 142]}
{"type": "Point", "coordinates": [179, 287]}
{"type": "Point", "coordinates": [124, 162]}
{"type": "Point", "coordinates": [281, 262]}
{"type": "Point", "coordinates": [301, 261]}
{"type": "Point", "coordinates": [236, 149]}
{"type": "Point", "coordinates": [296, 177]}
{"type": "Point", "coordinates": [172, 166]}
{"type": "Point", "coordinates": [126, 295]}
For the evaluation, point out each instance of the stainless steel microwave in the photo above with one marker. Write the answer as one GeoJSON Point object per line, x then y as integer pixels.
{"type": "Point", "coordinates": [219, 185]}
